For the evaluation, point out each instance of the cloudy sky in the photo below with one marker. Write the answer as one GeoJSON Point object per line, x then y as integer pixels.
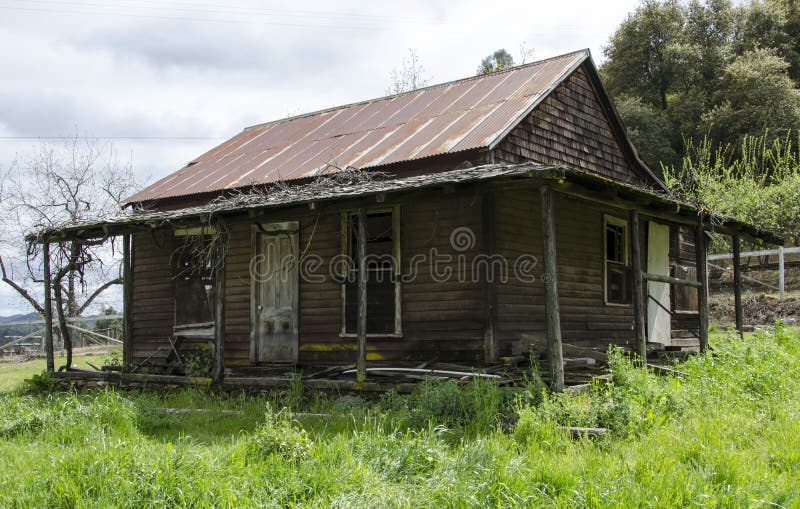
{"type": "Point", "coordinates": [165, 81]}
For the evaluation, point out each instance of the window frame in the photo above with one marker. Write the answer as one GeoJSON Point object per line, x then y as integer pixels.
{"type": "Point", "coordinates": [396, 250]}
{"type": "Point", "coordinates": [609, 219]}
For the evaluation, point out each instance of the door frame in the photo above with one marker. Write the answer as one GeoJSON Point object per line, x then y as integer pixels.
{"type": "Point", "coordinates": [257, 230]}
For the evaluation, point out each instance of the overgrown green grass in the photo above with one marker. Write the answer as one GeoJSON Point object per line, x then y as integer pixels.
{"type": "Point", "coordinates": [725, 435]}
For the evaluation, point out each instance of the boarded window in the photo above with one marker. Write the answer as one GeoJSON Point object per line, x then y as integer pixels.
{"type": "Point", "coordinates": [617, 271]}
{"type": "Point", "coordinates": [382, 264]}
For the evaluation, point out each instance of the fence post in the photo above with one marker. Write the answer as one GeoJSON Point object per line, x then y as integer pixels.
{"type": "Point", "coordinates": [781, 273]}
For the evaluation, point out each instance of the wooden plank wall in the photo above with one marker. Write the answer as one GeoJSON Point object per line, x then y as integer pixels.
{"type": "Point", "coordinates": [153, 294]}
{"type": "Point", "coordinates": [585, 319]}
{"type": "Point", "coordinates": [685, 324]}
{"type": "Point", "coordinates": [442, 319]}
{"type": "Point", "coordinates": [520, 304]}
{"type": "Point", "coordinates": [569, 127]}
{"type": "Point", "coordinates": [237, 295]}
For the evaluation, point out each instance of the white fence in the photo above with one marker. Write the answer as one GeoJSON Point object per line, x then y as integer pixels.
{"type": "Point", "coordinates": [781, 252]}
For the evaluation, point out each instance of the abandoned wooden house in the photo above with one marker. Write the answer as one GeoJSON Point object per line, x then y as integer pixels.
{"type": "Point", "coordinates": [464, 223]}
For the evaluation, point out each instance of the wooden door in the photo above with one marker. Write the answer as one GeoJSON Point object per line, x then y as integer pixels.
{"type": "Point", "coordinates": [659, 329]}
{"type": "Point", "coordinates": [275, 293]}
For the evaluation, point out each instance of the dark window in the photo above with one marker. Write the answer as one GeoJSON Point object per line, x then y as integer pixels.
{"type": "Point", "coordinates": [193, 282]}
{"type": "Point", "coordinates": [381, 280]}
{"type": "Point", "coordinates": [617, 272]}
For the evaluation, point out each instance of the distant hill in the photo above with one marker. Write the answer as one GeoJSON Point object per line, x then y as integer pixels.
{"type": "Point", "coordinates": [15, 330]}
{"type": "Point", "coordinates": [19, 318]}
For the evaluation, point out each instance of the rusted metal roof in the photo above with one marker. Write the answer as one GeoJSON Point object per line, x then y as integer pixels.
{"type": "Point", "coordinates": [467, 114]}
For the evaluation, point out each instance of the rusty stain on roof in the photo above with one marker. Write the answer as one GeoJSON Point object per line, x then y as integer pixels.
{"type": "Point", "coordinates": [472, 113]}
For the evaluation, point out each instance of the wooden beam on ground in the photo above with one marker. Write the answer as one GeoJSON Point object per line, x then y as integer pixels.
{"type": "Point", "coordinates": [361, 330]}
{"type": "Point", "coordinates": [702, 290]}
{"type": "Point", "coordinates": [637, 285]}
{"type": "Point", "coordinates": [127, 303]}
{"type": "Point", "coordinates": [218, 366]}
{"type": "Point", "coordinates": [48, 311]}
{"type": "Point", "coordinates": [736, 245]}
{"type": "Point", "coordinates": [490, 350]}
{"type": "Point", "coordinates": [555, 355]}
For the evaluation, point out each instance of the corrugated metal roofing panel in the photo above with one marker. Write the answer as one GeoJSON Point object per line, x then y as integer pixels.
{"type": "Point", "coordinates": [447, 118]}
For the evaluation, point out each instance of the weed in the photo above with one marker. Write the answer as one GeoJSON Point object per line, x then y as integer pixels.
{"type": "Point", "coordinates": [197, 364]}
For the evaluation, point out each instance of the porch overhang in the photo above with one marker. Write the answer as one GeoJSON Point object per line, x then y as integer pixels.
{"type": "Point", "coordinates": [350, 185]}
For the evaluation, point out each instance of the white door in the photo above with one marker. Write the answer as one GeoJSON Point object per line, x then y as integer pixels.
{"type": "Point", "coordinates": [275, 327]}
{"type": "Point", "coordinates": [658, 303]}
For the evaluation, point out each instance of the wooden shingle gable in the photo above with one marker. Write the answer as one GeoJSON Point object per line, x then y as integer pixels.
{"type": "Point", "coordinates": [576, 125]}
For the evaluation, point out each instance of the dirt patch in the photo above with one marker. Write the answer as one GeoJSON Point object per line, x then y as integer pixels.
{"type": "Point", "coordinates": [758, 309]}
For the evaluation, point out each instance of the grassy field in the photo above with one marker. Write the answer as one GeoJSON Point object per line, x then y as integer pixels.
{"type": "Point", "coordinates": [14, 373]}
{"type": "Point", "coordinates": [727, 434]}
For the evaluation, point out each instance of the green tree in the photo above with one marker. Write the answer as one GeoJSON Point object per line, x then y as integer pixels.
{"type": "Point", "coordinates": [641, 53]}
{"type": "Point", "coordinates": [649, 130]}
{"type": "Point", "coordinates": [497, 61]}
{"type": "Point", "coordinates": [756, 95]}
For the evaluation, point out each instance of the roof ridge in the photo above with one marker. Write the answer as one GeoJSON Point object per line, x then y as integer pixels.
{"type": "Point", "coordinates": [585, 51]}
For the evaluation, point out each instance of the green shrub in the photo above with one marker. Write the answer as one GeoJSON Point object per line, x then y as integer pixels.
{"type": "Point", "coordinates": [281, 436]}
{"type": "Point", "coordinates": [198, 364]}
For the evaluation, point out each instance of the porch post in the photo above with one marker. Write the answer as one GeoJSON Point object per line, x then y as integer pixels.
{"type": "Point", "coordinates": [218, 367]}
{"type": "Point", "coordinates": [361, 360]}
{"type": "Point", "coordinates": [48, 310]}
{"type": "Point", "coordinates": [555, 355]}
{"type": "Point", "coordinates": [702, 290]}
{"type": "Point", "coordinates": [736, 244]}
{"type": "Point", "coordinates": [490, 289]}
{"type": "Point", "coordinates": [637, 286]}
{"type": "Point", "coordinates": [127, 304]}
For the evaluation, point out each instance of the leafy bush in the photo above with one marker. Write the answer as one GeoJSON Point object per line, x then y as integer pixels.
{"type": "Point", "coordinates": [198, 364]}
{"type": "Point", "coordinates": [280, 436]}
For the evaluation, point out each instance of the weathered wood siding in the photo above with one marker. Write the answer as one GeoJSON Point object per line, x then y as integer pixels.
{"type": "Point", "coordinates": [585, 318]}
{"type": "Point", "coordinates": [520, 302]}
{"type": "Point", "coordinates": [237, 295]}
{"type": "Point", "coordinates": [685, 322]}
{"type": "Point", "coordinates": [570, 127]}
{"type": "Point", "coordinates": [153, 294]}
{"type": "Point", "coordinates": [443, 317]}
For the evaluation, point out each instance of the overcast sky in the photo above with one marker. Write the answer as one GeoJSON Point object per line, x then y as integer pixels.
{"type": "Point", "coordinates": [183, 76]}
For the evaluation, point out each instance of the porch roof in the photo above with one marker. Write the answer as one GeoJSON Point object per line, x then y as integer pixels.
{"type": "Point", "coordinates": [352, 184]}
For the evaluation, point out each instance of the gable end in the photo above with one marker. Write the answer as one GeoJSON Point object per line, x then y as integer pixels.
{"type": "Point", "coordinates": [571, 127]}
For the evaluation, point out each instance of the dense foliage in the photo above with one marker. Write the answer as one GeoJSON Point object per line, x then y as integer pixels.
{"type": "Point", "coordinates": [759, 182]}
{"type": "Point", "coordinates": [705, 70]}
{"type": "Point", "coordinates": [725, 434]}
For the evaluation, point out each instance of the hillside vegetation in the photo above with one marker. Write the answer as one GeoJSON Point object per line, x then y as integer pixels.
{"type": "Point", "coordinates": [725, 434]}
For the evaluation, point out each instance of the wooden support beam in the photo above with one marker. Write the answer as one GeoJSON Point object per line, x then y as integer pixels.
{"type": "Point", "coordinates": [218, 365]}
{"type": "Point", "coordinates": [48, 311]}
{"type": "Point", "coordinates": [127, 303]}
{"type": "Point", "coordinates": [361, 330]}
{"type": "Point", "coordinates": [637, 284]}
{"type": "Point", "coordinates": [490, 347]}
{"type": "Point", "coordinates": [659, 278]}
{"type": "Point", "coordinates": [555, 354]}
{"type": "Point", "coordinates": [736, 245]}
{"type": "Point", "coordinates": [702, 290]}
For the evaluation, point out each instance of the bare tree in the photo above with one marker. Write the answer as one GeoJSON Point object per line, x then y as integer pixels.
{"type": "Point", "coordinates": [410, 77]}
{"type": "Point", "coordinates": [79, 179]}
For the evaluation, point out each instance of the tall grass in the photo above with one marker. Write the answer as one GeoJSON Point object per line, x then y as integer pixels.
{"type": "Point", "coordinates": [727, 435]}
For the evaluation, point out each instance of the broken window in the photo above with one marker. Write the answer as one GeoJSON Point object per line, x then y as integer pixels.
{"type": "Point", "coordinates": [192, 279]}
{"type": "Point", "coordinates": [382, 253]}
{"type": "Point", "coordinates": [617, 272]}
